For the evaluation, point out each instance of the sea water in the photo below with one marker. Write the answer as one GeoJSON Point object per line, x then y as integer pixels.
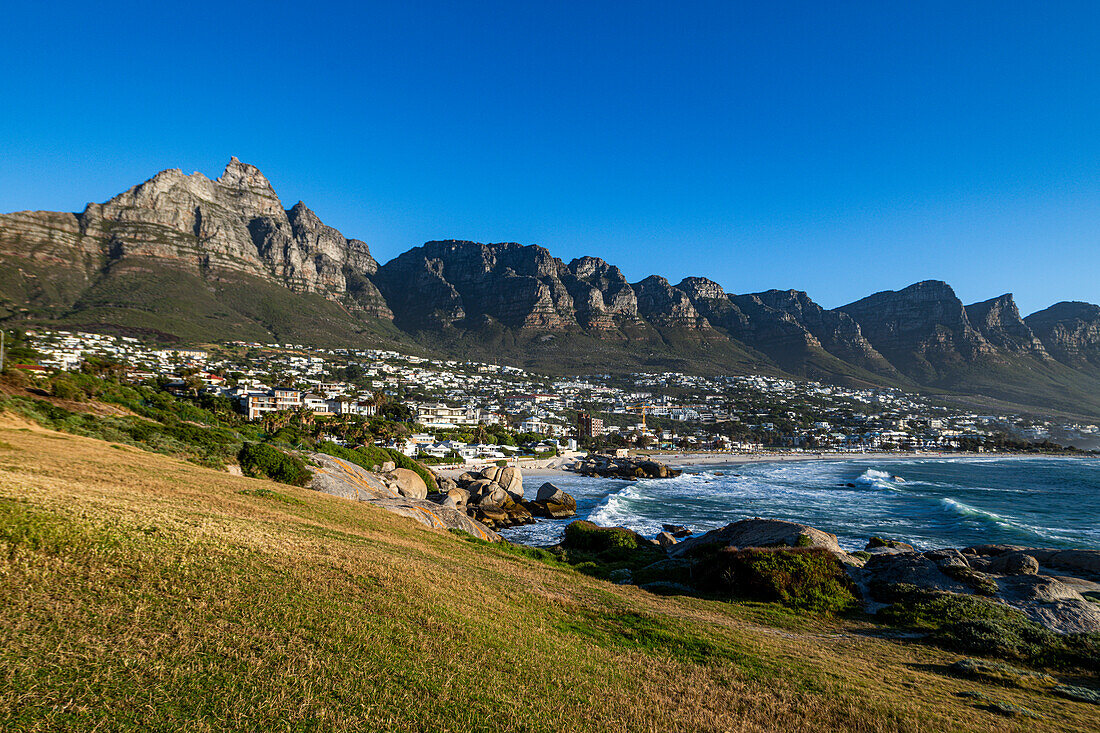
{"type": "Point", "coordinates": [928, 502]}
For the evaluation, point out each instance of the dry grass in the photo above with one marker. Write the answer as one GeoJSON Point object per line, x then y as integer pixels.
{"type": "Point", "coordinates": [142, 592]}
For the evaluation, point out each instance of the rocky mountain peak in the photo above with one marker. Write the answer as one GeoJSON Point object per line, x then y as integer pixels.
{"type": "Point", "coordinates": [922, 328]}
{"type": "Point", "coordinates": [667, 306]}
{"type": "Point", "coordinates": [1070, 332]}
{"type": "Point", "coordinates": [700, 287]}
{"type": "Point", "coordinates": [998, 321]}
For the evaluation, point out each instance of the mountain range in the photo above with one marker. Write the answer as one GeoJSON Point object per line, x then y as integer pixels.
{"type": "Point", "coordinates": [183, 258]}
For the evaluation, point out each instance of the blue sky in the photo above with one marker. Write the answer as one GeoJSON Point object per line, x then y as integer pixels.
{"type": "Point", "coordinates": [839, 148]}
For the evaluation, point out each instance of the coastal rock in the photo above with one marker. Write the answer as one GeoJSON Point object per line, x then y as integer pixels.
{"type": "Point", "coordinates": [409, 483]}
{"type": "Point", "coordinates": [347, 480]}
{"type": "Point", "coordinates": [761, 533]}
{"type": "Point", "coordinates": [877, 543]}
{"type": "Point", "coordinates": [666, 539]}
{"type": "Point", "coordinates": [552, 503]}
{"type": "Point", "coordinates": [630, 467]}
{"type": "Point", "coordinates": [1013, 563]}
{"type": "Point", "coordinates": [511, 479]}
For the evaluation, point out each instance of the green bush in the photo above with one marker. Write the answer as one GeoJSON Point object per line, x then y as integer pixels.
{"type": "Point", "coordinates": [582, 535]}
{"type": "Point", "coordinates": [810, 579]}
{"type": "Point", "coordinates": [262, 460]}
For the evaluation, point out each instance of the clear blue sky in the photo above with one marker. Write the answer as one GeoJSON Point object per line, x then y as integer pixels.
{"type": "Point", "coordinates": [835, 147]}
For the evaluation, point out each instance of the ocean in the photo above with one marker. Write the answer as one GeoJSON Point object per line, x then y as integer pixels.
{"type": "Point", "coordinates": [928, 502]}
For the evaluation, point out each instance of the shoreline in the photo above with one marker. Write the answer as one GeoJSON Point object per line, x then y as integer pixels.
{"type": "Point", "coordinates": [546, 467]}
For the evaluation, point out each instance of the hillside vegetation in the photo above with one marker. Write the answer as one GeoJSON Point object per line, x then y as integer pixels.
{"type": "Point", "coordinates": [143, 592]}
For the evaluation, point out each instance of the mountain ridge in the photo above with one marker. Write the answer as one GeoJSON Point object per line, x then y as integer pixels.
{"type": "Point", "coordinates": [189, 257]}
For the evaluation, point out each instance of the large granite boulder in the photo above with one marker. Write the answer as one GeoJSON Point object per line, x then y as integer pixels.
{"type": "Point", "coordinates": [349, 481]}
{"type": "Point", "coordinates": [409, 483]}
{"type": "Point", "coordinates": [760, 533]}
{"type": "Point", "coordinates": [552, 503]}
{"type": "Point", "coordinates": [511, 478]}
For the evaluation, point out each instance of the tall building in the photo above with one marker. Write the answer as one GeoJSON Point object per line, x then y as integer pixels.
{"type": "Point", "coordinates": [588, 426]}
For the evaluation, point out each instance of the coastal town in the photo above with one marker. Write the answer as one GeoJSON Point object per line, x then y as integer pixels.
{"type": "Point", "coordinates": [541, 415]}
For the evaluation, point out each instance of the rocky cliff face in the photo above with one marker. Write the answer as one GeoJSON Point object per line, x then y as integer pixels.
{"type": "Point", "coordinates": [923, 329]}
{"type": "Point", "coordinates": [468, 284]}
{"type": "Point", "coordinates": [663, 305]}
{"type": "Point", "coordinates": [998, 321]}
{"type": "Point", "coordinates": [1070, 332]}
{"type": "Point", "coordinates": [602, 297]}
{"type": "Point", "coordinates": [210, 229]}
{"type": "Point", "coordinates": [189, 257]}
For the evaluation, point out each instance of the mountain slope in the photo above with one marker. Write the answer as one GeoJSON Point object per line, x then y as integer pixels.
{"type": "Point", "coordinates": [189, 258]}
{"type": "Point", "coordinates": [927, 333]}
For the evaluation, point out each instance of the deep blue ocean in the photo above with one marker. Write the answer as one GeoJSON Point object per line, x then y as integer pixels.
{"type": "Point", "coordinates": [928, 502]}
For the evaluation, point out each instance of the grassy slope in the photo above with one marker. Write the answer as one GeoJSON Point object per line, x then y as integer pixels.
{"type": "Point", "coordinates": [141, 592]}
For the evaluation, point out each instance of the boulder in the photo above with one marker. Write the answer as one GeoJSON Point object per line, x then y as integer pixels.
{"type": "Point", "coordinates": [1069, 616]}
{"type": "Point", "coordinates": [465, 478]}
{"type": "Point", "coordinates": [347, 480]}
{"type": "Point", "coordinates": [478, 487]}
{"type": "Point", "coordinates": [552, 503]}
{"type": "Point", "coordinates": [519, 514]}
{"type": "Point", "coordinates": [1013, 563]}
{"type": "Point", "coordinates": [511, 478]}
{"type": "Point", "coordinates": [549, 492]}
{"type": "Point", "coordinates": [666, 539]}
{"type": "Point", "coordinates": [762, 533]}
{"type": "Point", "coordinates": [1083, 562]}
{"type": "Point", "coordinates": [460, 496]}
{"type": "Point", "coordinates": [677, 530]}
{"type": "Point", "coordinates": [445, 484]}
{"type": "Point", "coordinates": [491, 473]}
{"type": "Point", "coordinates": [492, 515]}
{"type": "Point", "coordinates": [908, 568]}
{"type": "Point", "coordinates": [494, 494]}
{"type": "Point", "coordinates": [409, 484]}
{"type": "Point", "coordinates": [387, 467]}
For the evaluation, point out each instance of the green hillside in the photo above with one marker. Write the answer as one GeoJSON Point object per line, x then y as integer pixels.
{"type": "Point", "coordinates": [145, 593]}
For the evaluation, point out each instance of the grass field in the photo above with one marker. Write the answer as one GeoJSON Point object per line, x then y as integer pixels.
{"type": "Point", "coordinates": [141, 592]}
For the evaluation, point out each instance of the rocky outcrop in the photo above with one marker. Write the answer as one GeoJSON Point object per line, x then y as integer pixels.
{"type": "Point", "coordinates": [629, 467]}
{"type": "Point", "coordinates": [455, 283]}
{"type": "Point", "coordinates": [998, 321]}
{"type": "Point", "coordinates": [495, 497]}
{"type": "Point", "coordinates": [602, 297]}
{"type": "Point", "coordinates": [1070, 332]}
{"type": "Point", "coordinates": [552, 503]}
{"type": "Point", "coordinates": [345, 479]}
{"type": "Point", "coordinates": [205, 228]}
{"type": "Point", "coordinates": [923, 329]}
{"type": "Point", "coordinates": [663, 305]}
{"type": "Point", "coordinates": [1015, 576]}
{"type": "Point", "coordinates": [760, 533]}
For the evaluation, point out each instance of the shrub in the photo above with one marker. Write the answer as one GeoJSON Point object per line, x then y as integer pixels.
{"type": "Point", "coordinates": [810, 579]}
{"type": "Point", "coordinates": [261, 460]}
{"type": "Point", "coordinates": [582, 535]}
{"type": "Point", "coordinates": [64, 387]}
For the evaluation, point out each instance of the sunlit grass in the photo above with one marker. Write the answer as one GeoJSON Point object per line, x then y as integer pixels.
{"type": "Point", "coordinates": [141, 592]}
